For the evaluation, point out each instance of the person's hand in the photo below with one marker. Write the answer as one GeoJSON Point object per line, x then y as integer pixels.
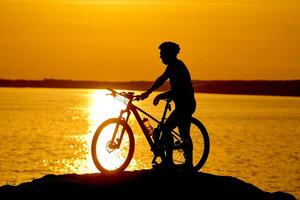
{"type": "Point", "coordinates": [157, 99]}
{"type": "Point", "coordinates": [144, 95]}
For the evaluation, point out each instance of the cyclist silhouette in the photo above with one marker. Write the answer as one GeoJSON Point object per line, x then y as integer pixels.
{"type": "Point", "coordinates": [182, 93]}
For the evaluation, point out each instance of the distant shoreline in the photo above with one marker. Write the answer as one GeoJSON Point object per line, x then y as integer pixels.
{"type": "Point", "coordinates": [247, 87]}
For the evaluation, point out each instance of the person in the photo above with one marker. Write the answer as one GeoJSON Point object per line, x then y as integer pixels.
{"type": "Point", "coordinates": [182, 93]}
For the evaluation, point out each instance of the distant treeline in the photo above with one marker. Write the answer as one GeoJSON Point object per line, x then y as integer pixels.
{"type": "Point", "coordinates": [261, 87]}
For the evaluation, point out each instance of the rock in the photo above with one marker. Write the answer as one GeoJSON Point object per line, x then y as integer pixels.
{"type": "Point", "coordinates": [140, 184]}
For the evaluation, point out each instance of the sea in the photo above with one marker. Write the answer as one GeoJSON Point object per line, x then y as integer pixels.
{"type": "Point", "coordinates": [50, 130]}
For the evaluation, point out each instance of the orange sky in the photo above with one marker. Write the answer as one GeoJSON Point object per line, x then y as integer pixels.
{"type": "Point", "coordinates": [118, 40]}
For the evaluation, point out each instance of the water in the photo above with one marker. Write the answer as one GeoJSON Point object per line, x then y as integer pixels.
{"type": "Point", "coordinates": [43, 131]}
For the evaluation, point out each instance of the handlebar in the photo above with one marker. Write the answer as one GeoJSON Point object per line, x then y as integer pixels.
{"type": "Point", "coordinates": [131, 97]}
{"type": "Point", "coordinates": [127, 95]}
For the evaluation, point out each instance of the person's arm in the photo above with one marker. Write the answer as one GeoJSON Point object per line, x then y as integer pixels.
{"type": "Point", "coordinates": [156, 84]}
{"type": "Point", "coordinates": [165, 95]}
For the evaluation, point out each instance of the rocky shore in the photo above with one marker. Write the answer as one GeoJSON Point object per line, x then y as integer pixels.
{"type": "Point", "coordinates": [140, 184]}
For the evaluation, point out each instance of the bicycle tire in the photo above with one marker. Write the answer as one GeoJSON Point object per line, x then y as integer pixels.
{"type": "Point", "coordinates": [201, 145]}
{"type": "Point", "coordinates": [104, 161]}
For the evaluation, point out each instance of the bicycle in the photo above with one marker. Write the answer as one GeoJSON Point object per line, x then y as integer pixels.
{"type": "Point", "coordinates": [113, 141]}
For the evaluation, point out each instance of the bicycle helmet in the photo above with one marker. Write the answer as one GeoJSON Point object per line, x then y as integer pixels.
{"type": "Point", "coordinates": [169, 47]}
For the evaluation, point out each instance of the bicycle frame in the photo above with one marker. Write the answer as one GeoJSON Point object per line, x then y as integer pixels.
{"type": "Point", "coordinates": [131, 108]}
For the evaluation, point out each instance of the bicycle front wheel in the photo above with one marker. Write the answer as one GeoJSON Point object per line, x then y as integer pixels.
{"type": "Point", "coordinates": [201, 145]}
{"type": "Point", "coordinates": [112, 155]}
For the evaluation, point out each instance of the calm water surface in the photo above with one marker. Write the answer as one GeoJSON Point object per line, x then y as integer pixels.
{"type": "Point", "coordinates": [254, 138]}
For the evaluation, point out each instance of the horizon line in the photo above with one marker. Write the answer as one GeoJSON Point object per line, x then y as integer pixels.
{"type": "Point", "coordinates": [85, 80]}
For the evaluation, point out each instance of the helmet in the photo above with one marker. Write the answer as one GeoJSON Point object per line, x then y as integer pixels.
{"type": "Point", "coordinates": [169, 47]}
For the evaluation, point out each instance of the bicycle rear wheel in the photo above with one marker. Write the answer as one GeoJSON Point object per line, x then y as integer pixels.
{"type": "Point", "coordinates": [108, 156]}
{"type": "Point", "coordinates": [201, 145]}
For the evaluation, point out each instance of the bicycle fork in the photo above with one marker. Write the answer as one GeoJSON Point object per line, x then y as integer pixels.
{"type": "Point", "coordinates": [113, 144]}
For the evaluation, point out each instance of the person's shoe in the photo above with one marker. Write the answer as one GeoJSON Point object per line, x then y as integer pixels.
{"type": "Point", "coordinates": [163, 166]}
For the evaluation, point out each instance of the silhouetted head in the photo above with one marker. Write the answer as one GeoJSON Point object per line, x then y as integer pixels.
{"type": "Point", "coordinates": [168, 51]}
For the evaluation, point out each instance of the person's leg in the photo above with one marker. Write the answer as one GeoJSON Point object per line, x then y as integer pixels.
{"type": "Point", "coordinates": [167, 138]}
{"type": "Point", "coordinates": [184, 125]}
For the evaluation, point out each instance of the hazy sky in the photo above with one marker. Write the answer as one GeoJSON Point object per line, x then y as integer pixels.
{"type": "Point", "coordinates": [118, 40]}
